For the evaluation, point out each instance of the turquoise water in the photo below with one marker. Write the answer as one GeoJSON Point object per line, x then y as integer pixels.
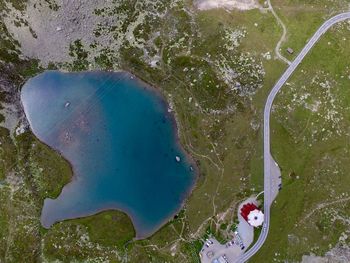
{"type": "Point", "coordinates": [121, 142]}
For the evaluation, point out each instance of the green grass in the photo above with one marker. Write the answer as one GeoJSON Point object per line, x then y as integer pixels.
{"type": "Point", "coordinates": [110, 229]}
{"type": "Point", "coordinates": [49, 171]}
{"type": "Point", "coordinates": [91, 238]}
{"type": "Point", "coordinates": [7, 154]}
{"type": "Point", "coordinates": [8, 47]}
{"type": "Point", "coordinates": [225, 146]}
{"type": "Point", "coordinates": [302, 18]}
{"type": "Point", "coordinates": [80, 55]}
{"type": "Point", "coordinates": [303, 150]}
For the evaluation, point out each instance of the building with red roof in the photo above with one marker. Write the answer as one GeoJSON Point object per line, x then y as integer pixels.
{"type": "Point", "coordinates": [251, 213]}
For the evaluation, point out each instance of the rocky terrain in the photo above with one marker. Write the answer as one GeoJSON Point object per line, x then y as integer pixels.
{"type": "Point", "coordinates": [205, 58]}
{"type": "Point", "coordinates": [229, 4]}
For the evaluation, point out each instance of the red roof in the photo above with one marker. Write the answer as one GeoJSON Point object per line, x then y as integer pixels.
{"type": "Point", "coordinates": [246, 209]}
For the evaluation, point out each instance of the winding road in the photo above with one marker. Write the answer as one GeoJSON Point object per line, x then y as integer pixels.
{"type": "Point", "coordinates": [268, 193]}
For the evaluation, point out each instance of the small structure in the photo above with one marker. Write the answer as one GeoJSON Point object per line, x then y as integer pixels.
{"type": "Point", "coordinates": [252, 214]}
{"type": "Point", "coordinates": [255, 218]}
{"type": "Point", "coordinates": [290, 50]}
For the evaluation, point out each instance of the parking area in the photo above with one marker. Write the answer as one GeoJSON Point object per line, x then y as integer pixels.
{"type": "Point", "coordinates": [214, 252]}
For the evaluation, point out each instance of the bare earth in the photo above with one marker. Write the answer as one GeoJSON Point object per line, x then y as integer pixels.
{"type": "Point", "coordinates": [339, 254]}
{"type": "Point", "coordinates": [228, 4]}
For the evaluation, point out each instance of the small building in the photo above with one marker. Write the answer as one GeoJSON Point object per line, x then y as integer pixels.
{"type": "Point", "coordinates": [252, 214]}
{"type": "Point", "coordinates": [255, 218]}
{"type": "Point", "coordinates": [290, 50]}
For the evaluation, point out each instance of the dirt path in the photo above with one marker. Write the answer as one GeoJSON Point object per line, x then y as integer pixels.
{"type": "Point", "coordinates": [324, 205]}
{"type": "Point", "coordinates": [283, 37]}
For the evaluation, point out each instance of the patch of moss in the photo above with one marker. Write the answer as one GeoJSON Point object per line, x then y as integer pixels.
{"type": "Point", "coordinates": [77, 239]}
{"type": "Point", "coordinates": [80, 55]}
{"type": "Point", "coordinates": [111, 228]}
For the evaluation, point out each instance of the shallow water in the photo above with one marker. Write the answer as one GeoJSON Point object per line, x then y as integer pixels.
{"type": "Point", "coordinates": [120, 140]}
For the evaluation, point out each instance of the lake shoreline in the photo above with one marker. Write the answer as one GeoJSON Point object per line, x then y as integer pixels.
{"type": "Point", "coordinates": [189, 158]}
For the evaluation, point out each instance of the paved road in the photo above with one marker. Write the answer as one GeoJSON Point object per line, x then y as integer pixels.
{"type": "Point", "coordinates": [268, 198]}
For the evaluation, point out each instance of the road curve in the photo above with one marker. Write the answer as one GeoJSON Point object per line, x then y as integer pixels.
{"type": "Point", "coordinates": [267, 155]}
